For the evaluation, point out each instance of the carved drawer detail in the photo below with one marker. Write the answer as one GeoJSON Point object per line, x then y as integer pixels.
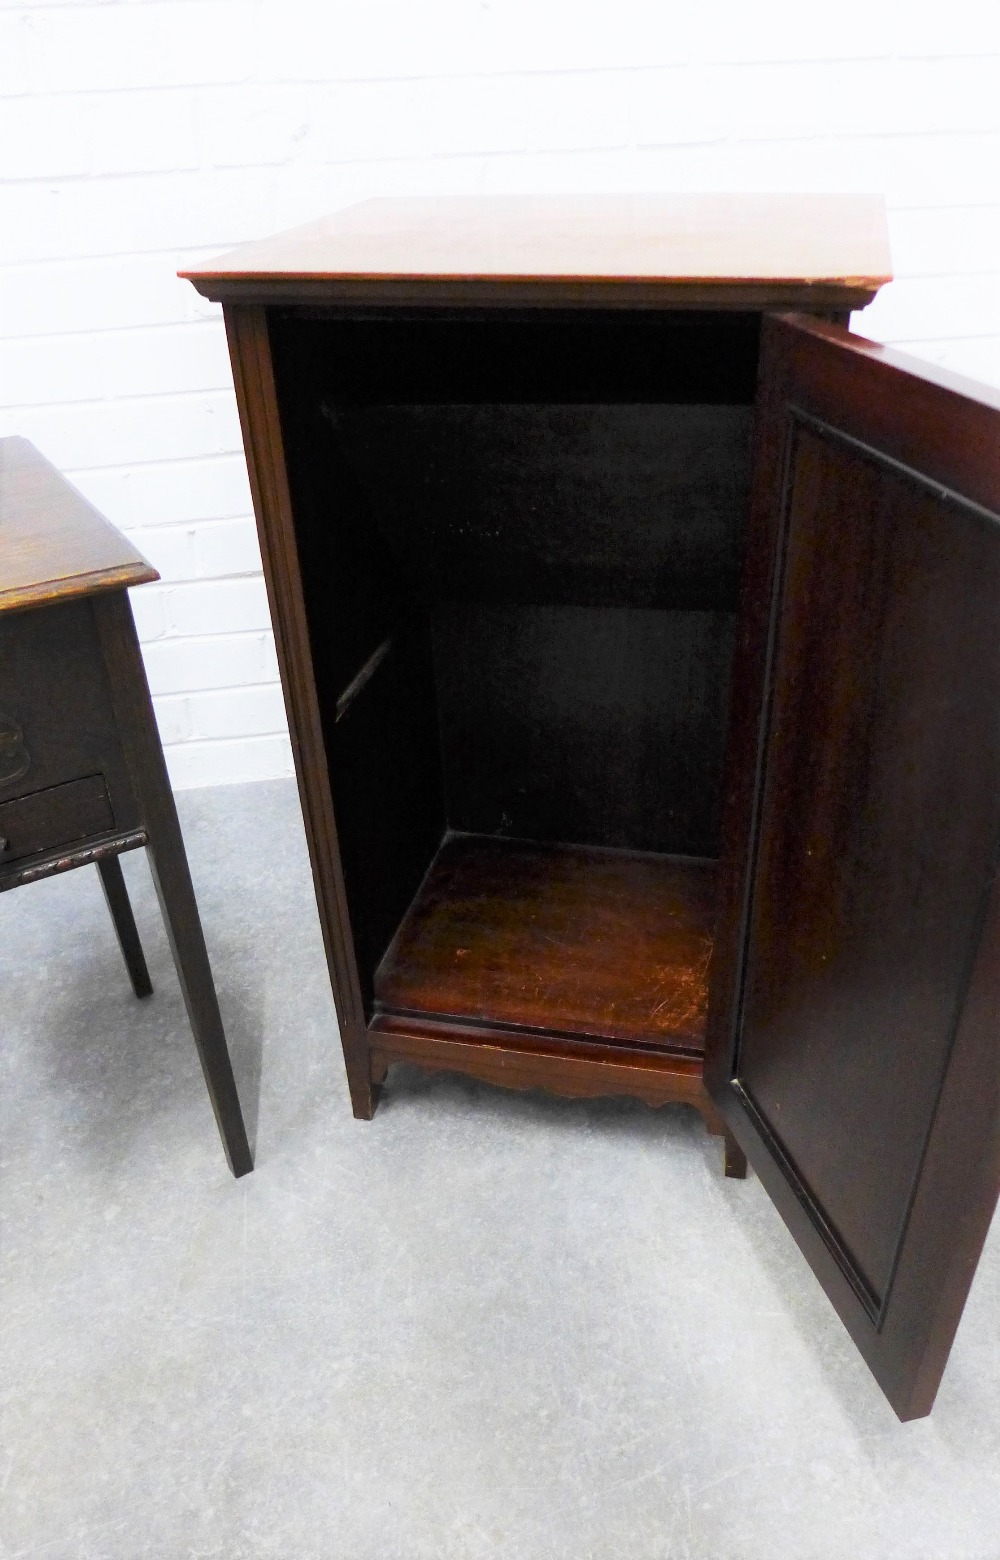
{"type": "Point", "coordinates": [46, 820]}
{"type": "Point", "coordinates": [15, 759]}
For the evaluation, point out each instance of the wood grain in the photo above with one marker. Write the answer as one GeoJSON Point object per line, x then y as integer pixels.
{"type": "Point", "coordinates": [82, 773]}
{"type": "Point", "coordinates": [54, 818]}
{"type": "Point", "coordinates": [765, 250]}
{"type": "Point", "coordinates": [852, 1041]}
{"type": "Point", "coordinates": [559, 301]}
{"type": "Point", "coordinates": [53, 544]}
{"type": "Point", "coordinates": [168, 865]}
{"type": "Point", "coordinates": [260, 420]}
{"type": "Point", "coordinates": [578, 1069]}
{"type": "Point", "coordinates": [563, 939]}
{"type": "Point", "coordinates": [53, 692]}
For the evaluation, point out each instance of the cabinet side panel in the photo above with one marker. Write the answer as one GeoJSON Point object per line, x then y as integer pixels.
{"type": "Point", "coordinates": [256, 395]}
{"type": "Point", "coordinates": [373, 676]}
{"type": "Point", "coordinates": [385, 771]}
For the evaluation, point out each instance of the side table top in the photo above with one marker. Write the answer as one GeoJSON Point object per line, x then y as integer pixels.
{"type": "Point", "coordinates": [53, 544]}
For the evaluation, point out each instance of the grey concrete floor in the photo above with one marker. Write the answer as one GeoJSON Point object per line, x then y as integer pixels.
{"type": "Point", "coordinates": [484, 1324]}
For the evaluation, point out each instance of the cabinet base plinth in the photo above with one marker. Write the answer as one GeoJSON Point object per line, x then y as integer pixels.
{"type": "Point", "coordinates": [516, 1059]}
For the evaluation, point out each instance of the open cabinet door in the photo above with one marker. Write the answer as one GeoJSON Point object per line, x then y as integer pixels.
{"type": "Point", "coordinates": [854, 1031]}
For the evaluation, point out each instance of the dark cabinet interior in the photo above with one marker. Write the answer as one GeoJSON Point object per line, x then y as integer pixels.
{"type": "Point", "coordinates": [521, 543]}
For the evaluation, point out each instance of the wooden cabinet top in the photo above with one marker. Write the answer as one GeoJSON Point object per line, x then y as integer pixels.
{"type": "Point", "coordinates": [754, 251]}
{"type": "Point", "coordinates": [53, 544]}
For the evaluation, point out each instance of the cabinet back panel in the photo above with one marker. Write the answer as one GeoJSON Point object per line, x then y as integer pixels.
{"type": "Point", "coordinates": [601, 505]}
{"type": "Point", "coordinates": [595, 726]}
{"type": "Point", "coordinates": [431, 355]}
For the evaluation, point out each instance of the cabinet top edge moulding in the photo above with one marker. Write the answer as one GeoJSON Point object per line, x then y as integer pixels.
{"type": "Point", "coordinates": [668, 251]}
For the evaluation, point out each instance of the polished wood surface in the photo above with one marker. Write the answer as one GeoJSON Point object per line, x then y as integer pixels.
{"type": "Point", "coordinates": [260, 419]}
{"type": "Point", "coordinates": [53, 544]}
{"type": "Point", "coordinates": [580, 1068]}
{"type": "Point", "coordinates": [169, 869]}
{"type": "Point", "coordinates": [562, 939]}
{"type": "Point", "coordinates": [54, 693]}
{"type": "Point", "coordinates": [54, 818]}
{"type": "Point", "coordinates": [853, 1036]}
{"type": "Point", "coordinates": [120, 908]}
{"type": "Point", "coordinates": [771, 250]}
{"type": "Point", "coordinates": [601, 303]}
{"type": "Point", "coordinates": [82, 774]}
{"type": "Point", "coordinates": [859, 836]}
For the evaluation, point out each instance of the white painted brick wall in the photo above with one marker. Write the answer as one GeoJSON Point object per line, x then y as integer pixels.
{"type": "Point", "coordinates": [136, 135]}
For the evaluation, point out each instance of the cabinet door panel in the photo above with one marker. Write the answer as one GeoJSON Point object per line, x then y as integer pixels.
{"type": "Point", "coordinates": [854, 1040]}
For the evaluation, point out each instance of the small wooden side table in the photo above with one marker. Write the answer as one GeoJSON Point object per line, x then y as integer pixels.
{"type": "Point", "coordinates": [82, 775]}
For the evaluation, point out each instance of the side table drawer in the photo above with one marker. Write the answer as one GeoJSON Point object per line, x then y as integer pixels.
{"type": "Point", "coordinates": [47, 819]}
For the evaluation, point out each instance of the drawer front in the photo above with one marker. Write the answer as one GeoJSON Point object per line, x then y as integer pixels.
{"type": "Point", "coordinates": [57, 717]}
{"type": "Point", "coordinates": [49, 819]}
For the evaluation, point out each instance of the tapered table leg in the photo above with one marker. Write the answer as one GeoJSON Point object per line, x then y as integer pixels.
{"type": "Point", "coordinates": [172, 879]}
{"type": "Point", "coordinates": [116, 894]}
{"type": "Point", "coordinates": [169, 865]}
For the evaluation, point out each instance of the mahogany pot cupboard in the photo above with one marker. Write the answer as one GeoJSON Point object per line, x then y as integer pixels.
{"type": "Point", "coordinates": [641, 646]}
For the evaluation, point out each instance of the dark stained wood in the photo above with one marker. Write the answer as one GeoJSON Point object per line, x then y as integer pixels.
{"type": "Point", "coordinates": [391, 813]}
{"type": "Point", "coordinates": [499, 357]}
{"type": "Point", "coordinates": [169, 867]}
{"type": "Point", "coordinates": [53, 544]}
{"type": "Point", "coordinates": [54, 818]}
{"type": "Point", "coordinates": [852, 1040]}
{"type": "Point", "coordinates": [578, 1069]}
{"type": "Point", "coordinates": [735, 1159]}
{"type": "Point", "coordinates": [15, 760]}
{"type": "Point", "coordinates": [82, 775]}
{"type": "Point", "coordinates": [62, 711]}
{"type": "Point", "coordinates": [355, 594]}
{"type": "Point", "coordinates": [763, 251]}
{"type": "Point", "coordinates": [49, 863]}
{"type": "Point", "coordinates": [604, 727]}
{"type": "Point", "coordinates": [439, 506]}
{"type": "Point", "coordinates": [591, 506]}
{"type": "Point", "coordinates": [561, 939]}
{"type": "Point", "coordinates": [256, 396]}
{"type": "Point", "coordinates": [120, 907]}
{"type": "Point", "coordinates": [504, 304]}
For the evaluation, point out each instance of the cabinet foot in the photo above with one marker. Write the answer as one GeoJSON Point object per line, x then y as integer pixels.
{"type": "Point", "coordinates": [736, 1160]}
{"type": "Point", "coordinates": [364, 1102]}
{"type": "Point", "coordinates": [365, 1080]}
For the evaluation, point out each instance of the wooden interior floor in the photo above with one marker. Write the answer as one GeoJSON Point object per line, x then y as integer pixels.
{"type": "Point", "coordinates": [559, 938]}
